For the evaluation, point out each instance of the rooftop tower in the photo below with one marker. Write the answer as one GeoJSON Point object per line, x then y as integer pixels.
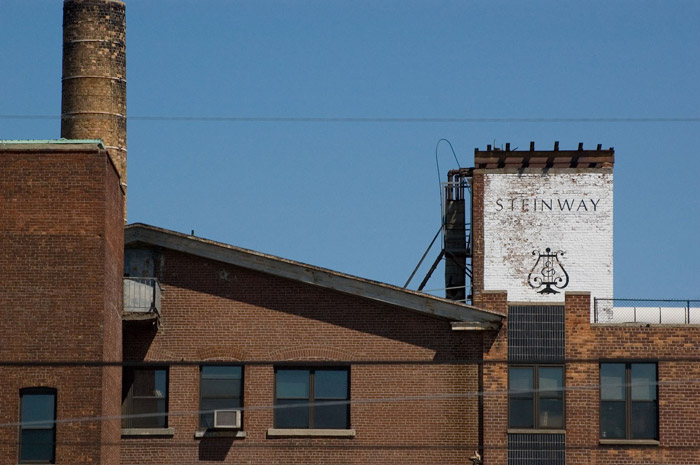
{"type": "Point", "coordinates": [540, 225]}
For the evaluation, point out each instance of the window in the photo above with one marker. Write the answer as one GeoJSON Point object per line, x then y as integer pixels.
{"type": "Point", "coordinates": [536, 397]}
{"type": "Point", "coordinates": [312, 398]}
{"type": "Point", "coordinates": [145, 398]}
{"type": "Point", "coordinates": [220, 387]}
{"type": "Point", "coordinates": [628, 401]}
{"type": "Point", "coordinates": [37, 425]}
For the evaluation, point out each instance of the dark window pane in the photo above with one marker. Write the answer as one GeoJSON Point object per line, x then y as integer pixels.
{"type": "Point", "coordinates": [220, 404]}
{"type": "Point", "coordinates": [150, 383]}
{"type": "Point", "coordinates": [147, 422]}
{"type": "Point", "coordinates": [144, 382]}
{"type": "Point", "coordinates": [146, 407]}
{"type": "Point", "coordinates": [643, 382]}
{"type": "Point", "coordinates": [221, 388]}
{"type": "Point", "coordinates": [612, 420]}
{"type": "Point", "coordinates": [222, 372]}
{"type": "Point", "coordinates": [142, 422]}
{"type": "Point", "coordinates": [551, 381]}
{"type": "Point", "coordinates": [38, 407]}
{"type": "Point", "coordinates": [37, 445]}
{"type": "Point", "coordinates": [331, 384]}
{"type": "Point", "coordinates": [612, 381]}
{"type": "Point", "coordinates": [127, 384]}
{"type": "Point", "coordinates": [551, 413]}
{"type": "Point", "coordinates": [644, 420]}
{"type": "Point", "coordinates": [333, 416]}
{"type": "Point", "coordinates": [292, 384]}
{"type": "Point", "coordinates": [161, 384]}
{"type": "Point", "coordinates": [206, 420]}
{"type": "Point", "coordinates": [520, 413]}
{"type": "Point", "coordinates": [289, 416]}
{"type": "Point", "coordinates": [147, 394]}
{"type": "Point", "coordinates": [521, 380]}
{"type": "Point", "coordinates": [37, 434]}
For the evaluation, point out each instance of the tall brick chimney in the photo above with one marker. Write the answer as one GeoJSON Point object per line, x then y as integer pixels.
{"type": "Point", "coordinates": [94, 76]}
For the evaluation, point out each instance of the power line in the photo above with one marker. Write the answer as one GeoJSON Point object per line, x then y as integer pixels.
{"type": "Point", "coordinates": [395, 446]}
{"type": "Point", "coordinates": [345, 446]}
{"type": "Point", "coordinates": [345, 362]}
{"type": "Point", "coordinates": [374, 119]}
{"type": "Point", "coordinates": [370, 401]}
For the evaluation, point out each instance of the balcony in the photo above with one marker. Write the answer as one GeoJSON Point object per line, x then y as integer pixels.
{"type": "Point", "coordinates": [141, 299]}
{"type": "Point", "coordinates": [642, 311]}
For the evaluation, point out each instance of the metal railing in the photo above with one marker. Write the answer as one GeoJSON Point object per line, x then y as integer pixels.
{"type": "Point", "coordinates": [142, 295]}
{"type": "Point", "coordinates": [649, 311]}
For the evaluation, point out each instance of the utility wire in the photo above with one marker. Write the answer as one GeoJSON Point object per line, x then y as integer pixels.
{"type": "Point", "coordinates": [358, 362]}
{"type": "Point", "coordinates": [437, 162]}
{"type": "Point", "coordinates": [428, 445]}
{"type": "Point", "coordinates": [371, 401]}
{"type": "Point", "coordinates": [372, 119]}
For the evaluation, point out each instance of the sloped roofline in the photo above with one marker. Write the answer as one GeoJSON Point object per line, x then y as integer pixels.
{"type": "Point", "coordinates": [139, 233]}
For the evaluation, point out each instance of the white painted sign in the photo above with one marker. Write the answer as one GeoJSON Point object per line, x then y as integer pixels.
{"type": "Point", "coordinates": [548, 233]}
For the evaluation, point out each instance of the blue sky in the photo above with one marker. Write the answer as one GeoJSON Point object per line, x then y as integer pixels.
{"type": "Point", "coordinates": [363, 198]}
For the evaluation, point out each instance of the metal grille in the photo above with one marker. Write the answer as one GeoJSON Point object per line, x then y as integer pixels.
{"type": "Point", "coordinates": [536, 333]}
{"type": "Point", "coordinates": [536, 449]}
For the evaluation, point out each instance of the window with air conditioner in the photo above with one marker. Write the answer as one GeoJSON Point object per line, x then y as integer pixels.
{"type": "Point", "coordinates": [220, 396]}
{"type": "Point", "coordinates": [227, 418]}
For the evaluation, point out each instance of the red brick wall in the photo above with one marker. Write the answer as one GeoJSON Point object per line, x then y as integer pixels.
{"type": "Point", "coordinates": [676, 350]}
{"type": "Point", "coordinates": [413, 397]}
{"type": "Point", "coordinates": [477, 236]}
{"type": "Point", "coordinates": [60, 294]}
{"type": "Point", "coordinates": [674, 347]}
{"type": "Point", "coordinates": [495, 383]}
{"type": "Point", "coordinates": [113, 246]}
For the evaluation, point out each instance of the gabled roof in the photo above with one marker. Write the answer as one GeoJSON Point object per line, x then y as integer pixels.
{"type": "Point", "coordinates": [467, 316]}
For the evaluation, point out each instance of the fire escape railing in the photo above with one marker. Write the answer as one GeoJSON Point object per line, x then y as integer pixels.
{"type": "Point", "coordinates": [142, 296]}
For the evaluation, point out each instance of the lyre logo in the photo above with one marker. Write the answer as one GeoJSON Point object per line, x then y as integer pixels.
{"type": "Point", "coordinates": [548, 272]}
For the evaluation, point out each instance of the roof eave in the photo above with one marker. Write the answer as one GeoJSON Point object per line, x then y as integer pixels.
{"type": "Point", "coordinates": [379, 292]}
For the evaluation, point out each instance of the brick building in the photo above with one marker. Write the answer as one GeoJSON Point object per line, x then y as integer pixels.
{"type": "Point", "coordinates": [573, 376]}
{"type": "Point", "coordinates": [61, 254]}
{"type": "Point", "coordinates": [139, 345]}
{"type": "Point", "coordinates": [398, 370]}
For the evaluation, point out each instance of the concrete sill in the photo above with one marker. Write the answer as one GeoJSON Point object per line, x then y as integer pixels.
{"type": "Point", "coordinates": [148, 432]}
{"type": "Point", "coordinates": [219, 433]}
{"type": "Point", "coordinates": [302, 432]}
{"type": "Point", "coordinates": [535, 431]}
{"type": "Point", "coordinates": [629, 442]}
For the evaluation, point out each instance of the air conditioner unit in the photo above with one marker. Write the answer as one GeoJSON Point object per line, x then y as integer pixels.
{"type": "Point", "coordinates": [227, 419]}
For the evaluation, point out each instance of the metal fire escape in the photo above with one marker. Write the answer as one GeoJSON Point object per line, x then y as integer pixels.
{"type": "Point", "coordinates": [456, 234]}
